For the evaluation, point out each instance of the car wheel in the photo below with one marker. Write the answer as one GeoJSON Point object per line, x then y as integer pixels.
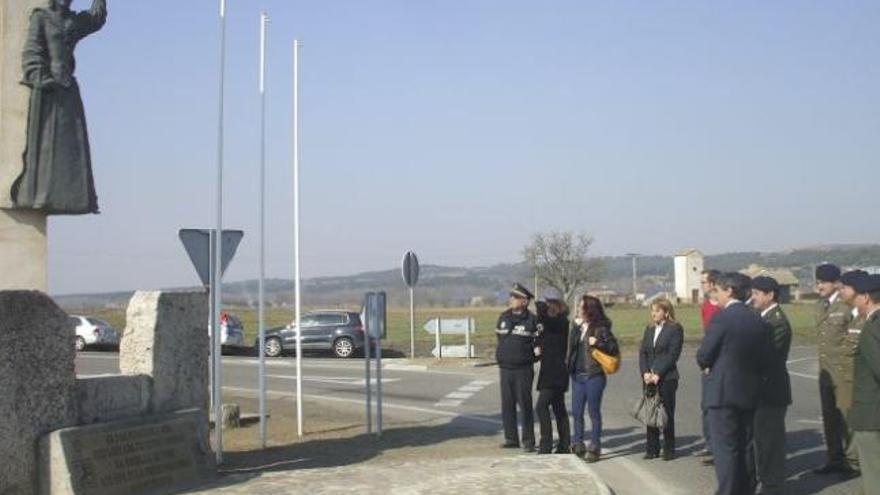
{"type": "Point", "coordinates": [79, 344]}
{"type": "Point", "coordinates": [343, 347]}
{"type": "Point", "coordinates": [273, 347]}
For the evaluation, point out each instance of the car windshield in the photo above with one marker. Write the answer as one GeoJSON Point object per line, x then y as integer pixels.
{"type": "Point", "coordinates": [97, 322]}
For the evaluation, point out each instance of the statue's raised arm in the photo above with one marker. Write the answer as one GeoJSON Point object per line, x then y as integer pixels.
{"type": "Point", "coordinates": [89, 21]}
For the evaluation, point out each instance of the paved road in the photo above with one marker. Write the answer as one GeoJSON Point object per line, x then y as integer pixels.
{"type": "Point", "coordinates": [471, 395]}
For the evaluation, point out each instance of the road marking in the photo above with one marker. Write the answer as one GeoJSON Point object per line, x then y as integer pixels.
{"type": "Point", "coordinates": [425, 410]}
{"type": "Point", "coordinates": [810, 421]}
{"type": "Point", "coordinates": [455, 398]}
{"type": "Point", "coordinates": [335, 380]}
{"type": "Point", "coordinates": [459, 395]}
{"type": "Point", "coordinates": [801, 359]}
{"type": "Point", "coordinates": [803, 375]}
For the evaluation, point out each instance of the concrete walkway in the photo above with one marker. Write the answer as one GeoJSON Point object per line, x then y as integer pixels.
{"type": "Point", "coordinates": [506, 474]}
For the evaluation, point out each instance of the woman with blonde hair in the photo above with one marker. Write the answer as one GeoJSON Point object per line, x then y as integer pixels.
{"type": "Point", "coordinates": [658, 359]}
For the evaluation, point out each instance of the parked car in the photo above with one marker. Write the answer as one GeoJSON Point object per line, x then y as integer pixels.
{"type": "Point", "coordinates": [92, 332]}
{"type": "Point", "coordinates": [339, 331]}
{"type": "Point", "coordinates": [231, 332]}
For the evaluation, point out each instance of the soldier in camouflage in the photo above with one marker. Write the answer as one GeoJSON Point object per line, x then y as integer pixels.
{"type": "Point", "coordinates": [833, 320]}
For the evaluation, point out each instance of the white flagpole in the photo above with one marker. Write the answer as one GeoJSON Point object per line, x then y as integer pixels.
{"type": "Point", "coordinates": [264, 20]}
{"type": "Point", "coordinates": [217, 261]}
{"type": "Point", "coordinates": [296, 203]}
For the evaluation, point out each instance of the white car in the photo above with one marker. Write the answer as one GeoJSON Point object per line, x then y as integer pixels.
{"type": "Point", "coordinates": [231, 332]}
{"type": "Point", "coordinates": [93, 332]}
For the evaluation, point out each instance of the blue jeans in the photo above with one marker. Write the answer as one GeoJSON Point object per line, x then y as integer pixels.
{"type": "Point", "coordinates": [586, 392]}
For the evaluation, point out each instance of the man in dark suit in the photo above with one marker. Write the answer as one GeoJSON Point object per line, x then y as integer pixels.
{"type": "Point", "coordinates": [734, 355]}
{"type": "Point", "coordinates": [768, 447]}
{"type": "Point", "coordinates": [864, 417]}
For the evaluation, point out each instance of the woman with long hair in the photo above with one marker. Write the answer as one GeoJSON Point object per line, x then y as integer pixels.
{"type": "Point", "coordinates": [658, 362]}
{"type": "Point", "coordinates": [591, 330]}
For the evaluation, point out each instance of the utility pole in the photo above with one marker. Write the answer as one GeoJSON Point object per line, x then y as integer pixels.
{"type": "Point", "coordinates": [635, 283]}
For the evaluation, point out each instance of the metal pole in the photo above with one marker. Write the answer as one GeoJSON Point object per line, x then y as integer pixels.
{"type": "Point", "coordinates": [264, 20]}
{"type": "Point", "coordinates": [635, 277]}
{"type": "Point", "coordinates": [216, 288]}
{"type": "Point", "coordinates": [467, 339]}
{"type": "Point", "coordinates": [298, 290]}
{"type": "Point", "coordinates": [412, 324]}
{"type": "Point", "coordinates": [437, 340]}
{"type": "Point", "coordinates": [379, 385]}
{"type": "Point", "coordinates": [368, 387]}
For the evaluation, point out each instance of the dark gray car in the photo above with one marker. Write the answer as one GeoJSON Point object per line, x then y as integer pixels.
{"type": "Point", "coordinates": [339, 331]}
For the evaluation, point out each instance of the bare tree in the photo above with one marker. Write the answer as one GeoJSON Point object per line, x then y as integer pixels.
{"type": "Point", "coordinates": [562, 260]}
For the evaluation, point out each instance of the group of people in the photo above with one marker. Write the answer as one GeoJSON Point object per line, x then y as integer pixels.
{"type": "Point", "coordinates": [743, 356]}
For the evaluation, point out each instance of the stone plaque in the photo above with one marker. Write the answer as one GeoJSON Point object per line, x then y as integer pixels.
{"type": "Point", "coordinates": [153, 454]}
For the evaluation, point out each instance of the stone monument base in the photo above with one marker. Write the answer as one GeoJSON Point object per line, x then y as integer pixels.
{"type": "Point", "coordinates": [23, 250]}
{"type": "Point", "coordinates": [144, 455]}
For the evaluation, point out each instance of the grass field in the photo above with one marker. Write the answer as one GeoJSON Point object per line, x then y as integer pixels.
{"type": "Point", "coordinates": [629, 324]}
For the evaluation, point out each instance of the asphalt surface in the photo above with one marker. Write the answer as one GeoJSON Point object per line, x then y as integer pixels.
{"type": "Point", "coordinates": [471, 396]}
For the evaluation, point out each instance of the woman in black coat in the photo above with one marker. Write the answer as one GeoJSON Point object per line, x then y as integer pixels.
{"type": "Point", "coordinates": [553, 378]}
{"type": "Point", "coordinates": [661, 348]}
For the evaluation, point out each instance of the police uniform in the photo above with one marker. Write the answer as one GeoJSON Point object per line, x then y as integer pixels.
{"type": "Point", "coordinates": [515, 355]}
{"type": "Point", "coordinates": [832, 325]}
{"type": "Point", "coordinates": [774, 397]}
{"type": "Point", "coordinates": [864, 415]}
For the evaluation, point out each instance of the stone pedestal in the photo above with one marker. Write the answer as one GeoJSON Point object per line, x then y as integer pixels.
{"type": "Point", "coordinates": [22, 233]}
{"type": "Point", "coordinates": [37, 383]}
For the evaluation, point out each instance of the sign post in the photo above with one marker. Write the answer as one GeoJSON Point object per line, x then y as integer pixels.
{"type": "Point", "coordinates": [374, 321]}
{"type": "Point", "coordinates": [451, 326]}
{"type": "Point", "coordinates": [200, 245]}
{"type": "Point", "coordinates": [410, 270]}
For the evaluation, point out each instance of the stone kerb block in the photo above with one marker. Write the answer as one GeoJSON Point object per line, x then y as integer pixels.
{"type": "Point", "coordinates": [37, 383]}
{"type": "Point", "coordinates": [166, 338]}
{"type": "Point", "coordinates": [111, 397]}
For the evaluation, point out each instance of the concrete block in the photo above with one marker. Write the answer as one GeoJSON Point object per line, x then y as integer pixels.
{"type": "Point", "coordinates": [37, 383]}
{"type": "Point", "coordinates": [112, 397]}
{"type": "Point", "coordinates": [166, 338]}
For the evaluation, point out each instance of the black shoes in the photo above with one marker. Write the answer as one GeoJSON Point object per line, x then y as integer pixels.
{"type": "Point", "coordinates": [545, 450]}
{"type": "Point", "coordinates": [579, 450]}
{"type": "Point", "coordinates": [592, 456]}
{"type": "Point", "coordinates": [510, 445]}
{"type": "Point", "coordinates": [668, 455]}
{"type": "Point", "coordinates": [836, 469]}
{"type": "Point", "coordinates": [651, 455]}
{"type": "Point", "coordinates": [562, 448]}
{"type": "Point", "coordinates": [529, 447]}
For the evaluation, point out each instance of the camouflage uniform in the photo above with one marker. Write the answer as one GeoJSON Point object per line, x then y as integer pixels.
{"type": "Point", "coordinates": [836, 355]}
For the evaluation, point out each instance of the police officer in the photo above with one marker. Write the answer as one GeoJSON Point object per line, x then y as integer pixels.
{"type": "Point", "coordinates": [832, 324]}
{"type": "Point", "coordinates": [865, 413]}
{"type": "Point", "coordinates": [774, 394]}
{"type": "Point", "coordinates": [516, 352]}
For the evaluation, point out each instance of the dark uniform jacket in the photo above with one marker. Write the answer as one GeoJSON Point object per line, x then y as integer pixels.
{"type": "Point", "coordinates": [662, 357]}
{"type": "Point", "coordinates": [516, 339]}
{"type": "Point", "coordinates": [832, 325]}
{"type": "Point", "coordinates": [552, 340]}
{"type": "Point", "coordinates": [736, 350]}
{"type": "Point", "coordinates": [776, 384]}
{"type": "Point", "coordinates": [579, 350]}
{"type": "Point", "coordinates": [865, 412]}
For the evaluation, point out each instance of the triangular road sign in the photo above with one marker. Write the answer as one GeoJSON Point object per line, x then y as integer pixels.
{"type": "Point", "coordinates": [197, 243]}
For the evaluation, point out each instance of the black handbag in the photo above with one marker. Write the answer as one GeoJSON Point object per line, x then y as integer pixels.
{"type": "Point", "coordinates": [649, 409]}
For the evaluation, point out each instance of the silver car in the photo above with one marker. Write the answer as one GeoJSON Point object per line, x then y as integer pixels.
{"type": "Point", "coordinates": [92, 332]}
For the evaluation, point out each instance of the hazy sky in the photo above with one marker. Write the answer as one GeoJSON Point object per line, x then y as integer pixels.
{"type": "Point", "coordinates": [459, 128]}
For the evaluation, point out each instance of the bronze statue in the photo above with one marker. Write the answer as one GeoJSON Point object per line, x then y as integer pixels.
{"type": "Point", "coordinates": [57, 176]}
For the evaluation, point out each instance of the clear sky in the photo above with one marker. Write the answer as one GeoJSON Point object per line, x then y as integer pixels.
{"type": "Point", "coordinates": [459, 128]}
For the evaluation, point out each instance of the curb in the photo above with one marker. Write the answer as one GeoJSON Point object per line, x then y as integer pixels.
{"type": "Point", "coordinates": [601, 486]}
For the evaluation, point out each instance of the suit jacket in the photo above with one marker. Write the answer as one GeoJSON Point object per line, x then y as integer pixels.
{"type": "Point", "coordinates": [832, 327]}
{"type": "Point", "coordinates": [662, 357]}
{"type": "Point", "coordinates": [865, 412]}
{"type": "Point", "coordinates": [736, 349]}
{"type": "Point", "coordinates": [776, 384]}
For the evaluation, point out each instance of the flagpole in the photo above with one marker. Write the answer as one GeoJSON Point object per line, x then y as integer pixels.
{"type": "Point", "coordinates": [216, 288]}
{"type": "Point", "coordinates": [296, 221]}
{"type": "Point", "coordinates": [264, 21]}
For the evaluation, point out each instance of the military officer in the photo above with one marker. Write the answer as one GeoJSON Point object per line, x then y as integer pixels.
{"type": "Point", "coordinates": [864, 416]}
{"type": "Point", "coordinates": [832, 324]}
{"type": "Point", "coordinates": [516, 353]}
{"type": "Point", "coordinates": [774, 394]}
